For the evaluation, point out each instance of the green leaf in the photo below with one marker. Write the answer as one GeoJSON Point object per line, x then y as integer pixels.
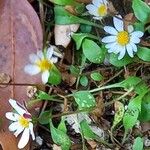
{"type": "Point", "coordinates": [84, 99]}
{"type": "Point", "coordinates": [93, 52]}
{"type": "Point", "coordinates": [62, 125]}
{"type": "Point", "coordinates": [139, 26]}
{"type": "Point", "coordinates": [64, 2]}
{"type": "Point", "coordinates": [119, 107]}
{"type": "Point", "coordinates": [96, 76]}
{"type": "Point", "coordinates": [113, 59]}
{"type": "Point", "coordinates": [55, 76]}
{"type": "Point", "coordinates": [44, 117]}
{"type": "Point", "coordinates": [59, 137]}
{"type": "Point", "coordinates": [79, 37]}
{"type": "Point", "coordinates": [138, 144]}
{"type": "Point", "coordinates": [84, 81]}
{"type": "Point", "coordinates": [141, 88]}
{"type": "Point", "coordinates": [87, 132]}
{"type": "Point", "coordinates": [85, 28]}
{"type": "Point", "coordinates": [132, 113]}
{"type": "Point", "coordinates": [145, 108]}
{"type": "Point", "coordinates": [63, 17]}
{"type": "Point", "coordinates": [144, 53]}
{"type": "Point", "coordinates": [44, 96]}
{"type": "Point", "coordinates": [74, 70]}
{"type": "Point", "coordinates": [130, 82]}
{"type": "Point", "coordinates": [141, 10]}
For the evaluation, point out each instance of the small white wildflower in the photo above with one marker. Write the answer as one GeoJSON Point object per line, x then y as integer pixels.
{"type": "Point", "coordinates": [120, 40]}
{"type": "Point", "coordinates": [41, 63]}
{"type": "Point", "coordinates": [98, 9]}
{"type": "Point", "coordinates": [22, 122]}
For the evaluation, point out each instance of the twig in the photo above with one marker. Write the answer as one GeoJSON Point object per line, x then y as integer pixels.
{"type": "Point", "coordinates": [119, 98]}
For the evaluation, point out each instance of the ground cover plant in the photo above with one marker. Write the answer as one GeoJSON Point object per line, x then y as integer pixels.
{"type": "Point", "coordinates": [74, 74]}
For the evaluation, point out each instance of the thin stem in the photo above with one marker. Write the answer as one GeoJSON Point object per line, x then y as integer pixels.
{"type": "Point", "coordinates": [104, 142]}
{"type": "Point", "coordinates": [81, 69]}
{"type": "Point", "coordinates": [105, 87]}
{"type": "Point", "coordinates": [19, 84]}
{"type": "Point", "coordinates": [120, 98]}
{"type": "Point", "coordinates": [101, 88]}
{"type": "Point", "coordinates": [70, 113]}
{"type": "Point", "coordinates": [124, 137]}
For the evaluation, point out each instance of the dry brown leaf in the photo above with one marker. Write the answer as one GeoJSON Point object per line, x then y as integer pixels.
{"type": "Point", "coordinates": [4, 78]}
{"type": "Point", "coordinates": [68, 78]}
{"type": "Point", "coordinates": [128, 20]}
{"type": "Point", "coordinates": [84, 1]}
{"type": "Point", "coordinates": [20, 35]}
{"type": "Point", "coordinates": [62, 34]}
{"type": "Point", "coordinates": [92, 143]}
{"type": "Point", "coordinates": [99, 110]}
{"type": "Point", "coordinates": [112, 9]}
{"type": "Point", "coordinates": [71, 9]}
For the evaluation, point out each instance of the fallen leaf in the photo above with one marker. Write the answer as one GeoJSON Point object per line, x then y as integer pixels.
{"type": "Point", "coordinates": [4, 78]}
{"type": "Point", "coordinates": [62, 33]}
{"type": "Point", "coordinates": [68, 78]}
{"type": "Point", "coordinates": [84, 1]}
{"type": "Point", "coordinates": [20, 35]}
{"type": "Point", "coordinates": [71, 9]}
{"type": "Point", "coordinates": [92, 143]}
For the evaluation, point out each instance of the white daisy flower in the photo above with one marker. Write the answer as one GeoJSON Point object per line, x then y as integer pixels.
{"type": "Point", "coordinates": [121, 40]}
{"type": "Point", "coordinates": [98, 9]}
{"type": "Point", "coordinates": [42, 63]}
{"type": "Point", "coordinates": [21, 122]}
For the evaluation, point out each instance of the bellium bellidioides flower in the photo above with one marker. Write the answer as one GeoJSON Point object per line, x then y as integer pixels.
{"type": "Point", "coordinates": [21, 123]}
{"type": "Point", "coordinates": [121, 40]}
{"type": "Point", "coordinates": [98, 9]}
{"type": "Point", "coordinates": [42, 63]}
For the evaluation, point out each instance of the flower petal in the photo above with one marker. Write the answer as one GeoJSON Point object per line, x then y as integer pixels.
{"type": "Point", "coordinates": [134, 47]}
{"type": "Point", "coordinates": [33, 58]}
{"type": "Point", "coordinates": [113, 48]}
{"type": "Point", "coordinates": [45, 76]}
{"type": "Point", "coordinates": [137, 34]}
{"type": "Point", "coordinates": [92, 9]}
{"type": "Point", "coordinates": [118, 23]}
{"type": "Point", "coordinates": [19, 130]}
{"type": "Point", "coordinates": [57, 54]}
{"type": "Point", "coordinates": [54, 59]}
{"type": "Point", "coordinates": [98, 18]}
{"type": "Point", "coordinates": [109, 39]}
{"type": "Point", "coordinates": [135, 40]}
{"type": "Point", "coordinates": [19, 108]}
{"type": "Point", "coordinates": [31, 69]}
{"type": "Point", "coordinates": [130, 28]}
{"type": "Point", "coordinates": [105, 2]}
{"type": "Point", "coordinates": [12, 116]}
{"type": "Point", "coordinates": [97, 2]}
{"type": "Point", "coordinates": [122, 53]}
{"type": "Point", "coordinates": [109, 45]}
{"type": "Point", "coordinates": [24, 138]}
{"type": "Point", "coordinates": [40, 54]}
{"type": "Point", "coordinates": [111, 30]}
{"type": "Point", "coordinates": [118, 49]}
{"type": "Point", "coordinates": [31, 131]}
{"type": "Point", "coordinates": [13, 126]}
{"type": "Point", "coordinates": [49, 52]}
{"type": "Point", "coordinates": [129, 50]}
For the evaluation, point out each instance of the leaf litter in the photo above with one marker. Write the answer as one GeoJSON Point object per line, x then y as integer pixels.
{"type": "Point", "coordinates": [105, 111]}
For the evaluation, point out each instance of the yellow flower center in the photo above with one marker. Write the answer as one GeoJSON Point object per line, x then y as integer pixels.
{"type": "Point", "coordinates": [44, 64]}
{"type": "Point", "coordinates": [102, 10]}
{"type": "Point", "coordinates": [123, 38]}
{"type": "Point", "coordinates": [23, 122]}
